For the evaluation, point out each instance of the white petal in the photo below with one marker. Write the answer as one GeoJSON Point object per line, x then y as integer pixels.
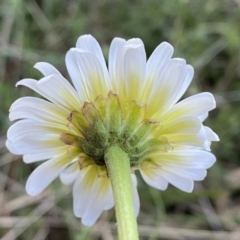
{"type": "Point", "coordinates": [89, 44]}
{"type": "Point", "coordinates": [155, 66]}
{"type": "Point", "coordinates": [211, 135]}
{"type": "Point", "coordinates": [69, 174]}
{"type": "Point", "coordinates": [44, 155]}
{"type": "Point", "coordinates": [203, 137]}
{"type": "Point", "coordinates": [185, 83]}
{"type": "Point", "coordinates": [26, 108]}
{"type": "Point", "coordinates": [33, 145]}
{"type": "Point", "coordinates": [27, 128]}
{"type": "Point", "coordinates": [109, 200]}
{"type": "Point", "coordinates": [196, 105]}
{"type": "Point", "coordinates": [203, 117]}
{"type": "Point", "coordinates": [43, 175]}
{"type": "Point", "coordinates": [46, 69]}
{"type": "Point", "coordinates": [89, 77]}
{"type": "Point", "coordinates": [182, 183]}
{"type": "Point", "coordinates": [186, 124]}
{"type": "Point", "coordinates": [135, 195]}
{"type": "Point", "coordinates": [134, 72]}
{"type": "Point", "coordinates": [80, 196]}
{"type": "Point", "coordinates": [115, 47]}
{"type": "Point", "coordinates": [168, 84]}
{"type": "Point", "coordinates": [56, 89]}
{"type": "Point", "coordinates": [157, 61]}
{"type": "Point", "coordinates": [153, 179]}
{"type": "Point", "coordinates": [188, 173]}
{"type": "Point", "coordinates": [187, 139]}
{"type": "Point", "coordinates": [95, 206]}
{"type": "Point", "coordinates": [207, 135]}
{"type": "Point", "coordinates": [131, 67]}
{"type": "Point", "coordinates": [90, 195]}
{"type": "Point", "coordinates": [13, 148]}
{"type": "Point", "coordinates": [187, 158]}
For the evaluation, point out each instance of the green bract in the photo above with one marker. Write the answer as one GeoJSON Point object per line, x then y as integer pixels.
{"type": "Point", "coordinates": [110, 122]}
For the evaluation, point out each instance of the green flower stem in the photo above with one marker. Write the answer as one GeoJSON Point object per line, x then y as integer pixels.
{"type": "Point", "coordinates": [118, 166]}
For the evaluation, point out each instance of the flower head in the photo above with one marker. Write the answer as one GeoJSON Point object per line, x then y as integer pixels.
{"type": "Point", "coordinates": [133, 104]}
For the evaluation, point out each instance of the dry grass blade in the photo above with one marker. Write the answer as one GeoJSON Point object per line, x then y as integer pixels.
{"type": "Point", "coordinates": [144, 231]}
{"type": "Point", "coordinates": [41, 234]}
{"type": "Point", "coordinates": [24, 201]}
{"type": "Point", "coordinates": [42, 22]}
{"type": "Point", "coordinates": [8, 158]}
{"type": "Point", "coordinates": [23, 223]}
{"type": "Point", "coordinates": [188, 234]}
{"type": "Point", "coordinates": [208, 210]}
{"type": "Point", "coordinates": [2, 141]}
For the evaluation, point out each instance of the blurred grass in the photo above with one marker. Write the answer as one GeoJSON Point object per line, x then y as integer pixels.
{"type": "Point", "coordinates": [205, 32]}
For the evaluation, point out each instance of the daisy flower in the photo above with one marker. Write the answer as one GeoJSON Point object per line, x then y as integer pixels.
{"type": "Point", "coordinates": [133, 104]}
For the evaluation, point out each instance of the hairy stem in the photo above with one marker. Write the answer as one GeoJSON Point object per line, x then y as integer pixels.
{"type": "Point", "coordinates": [118, 166]}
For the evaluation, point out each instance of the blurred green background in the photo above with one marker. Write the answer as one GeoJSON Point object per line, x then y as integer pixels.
{"type": "Point", "coordinates": [205, 32]}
